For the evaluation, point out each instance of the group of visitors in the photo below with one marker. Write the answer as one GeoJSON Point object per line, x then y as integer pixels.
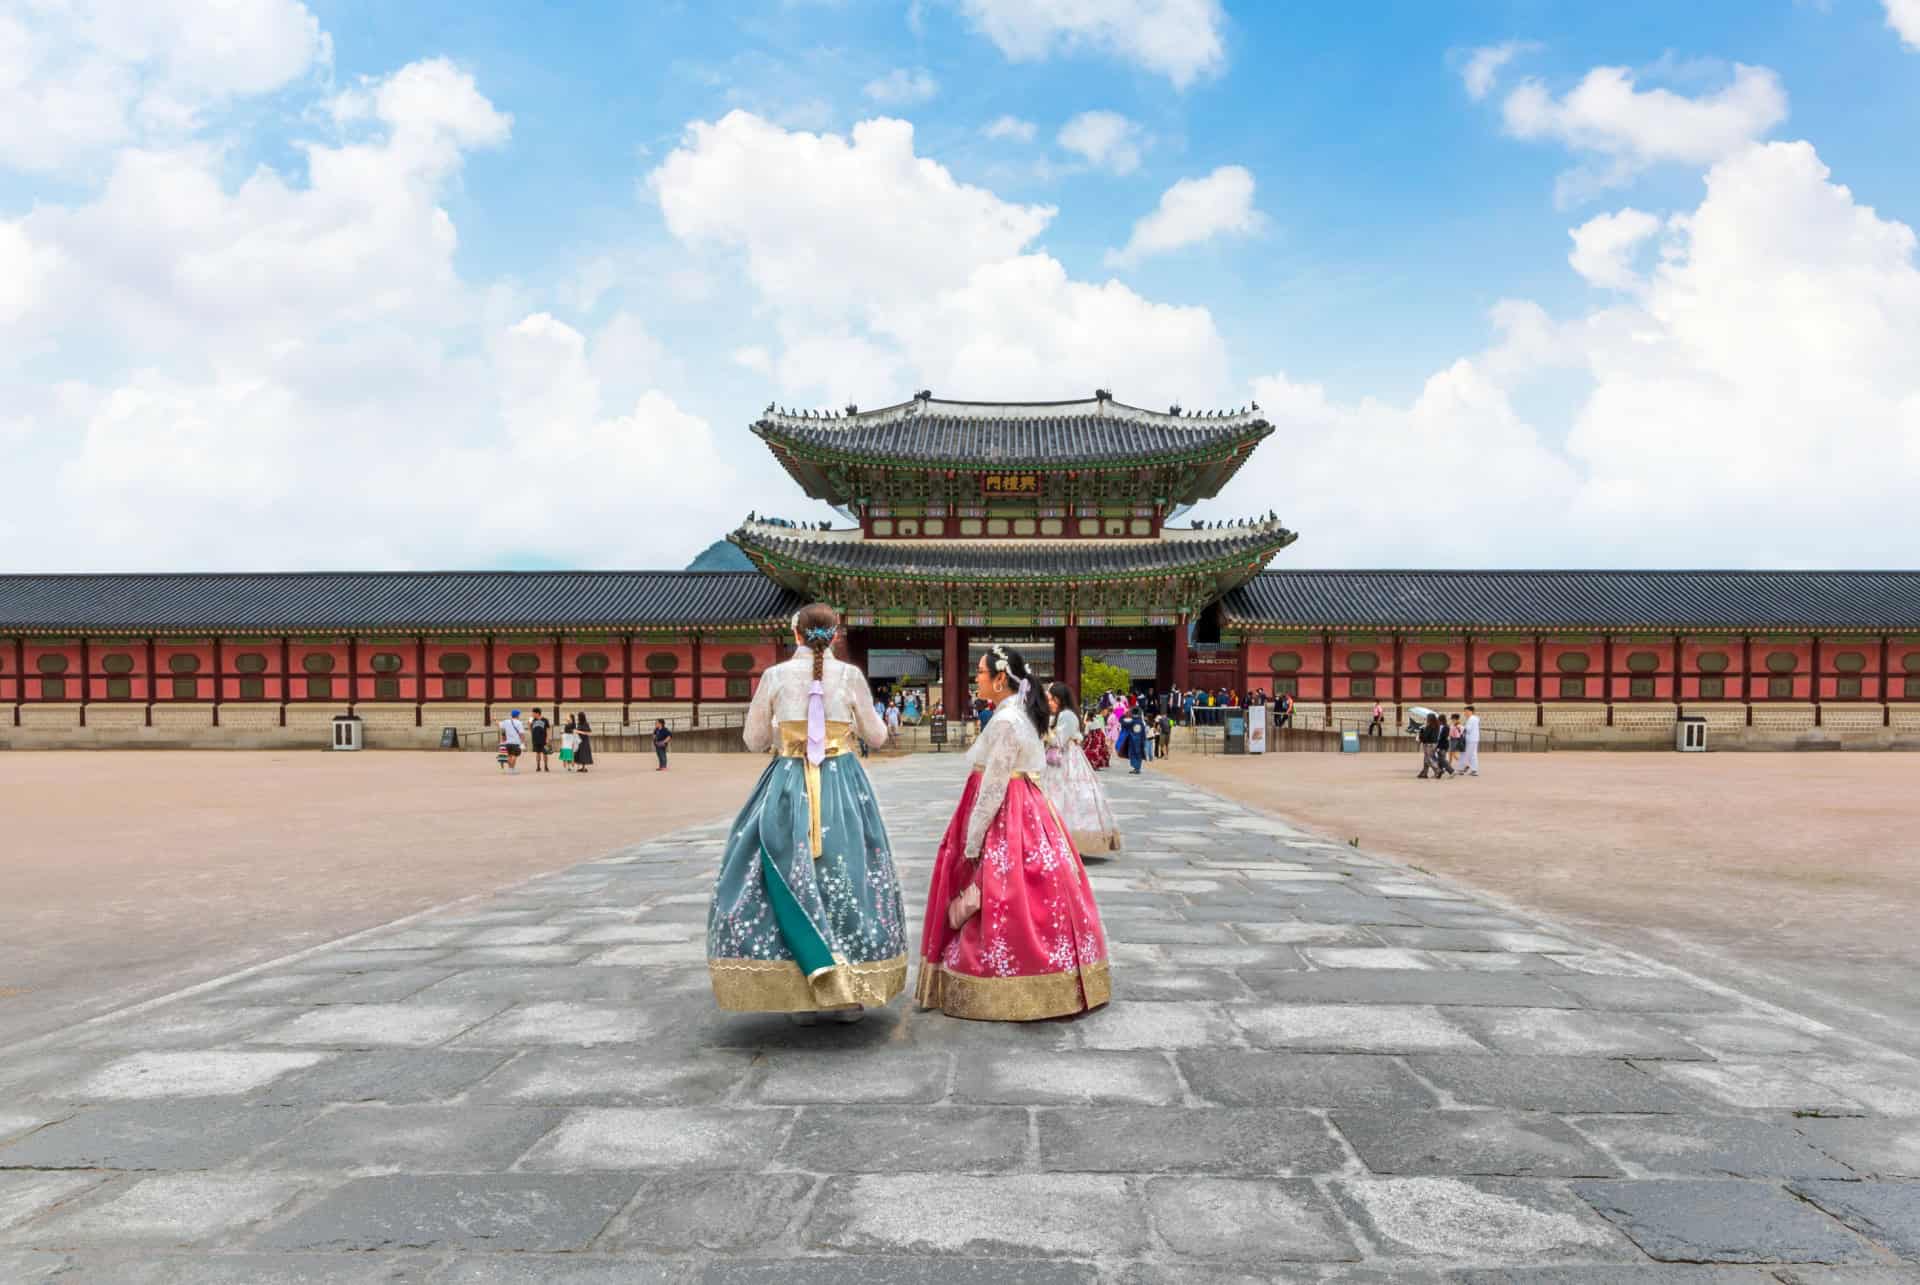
{"type": "Point", "coordinates": [1448, 746]}
{"type": "Point", "coordinates": [576, 742]}
{"type": "Point", "coordinates": [808, 915]}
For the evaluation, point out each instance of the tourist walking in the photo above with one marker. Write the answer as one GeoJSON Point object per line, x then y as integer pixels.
{"type": "Point", "coordinates": [1012, 932]}
{"type": "Point", "coordinates": [1098, 748]}
{"type": "Point", "coordinates": [1134, 731]}
{"type": "Point", "coordinates": [662, 738]}
{"type": "Point", "coordinates": [1429, 737]}
{"type": "Point", "coordinates": [1069, 781]}
{"type": "Point", "coordinates": [1456, 745]}
{"type": "Point", "coordinates": [1378, 726]}
{"type": "Point", "coordinates": [1166, 735]}
{"type": "Point", "coordinates": [807, 916]}
{"type": "Point", "coordinates": [582, 743]}
{"type": "Point", "coordinates": [1473, 742]}
{"type": "Point", "coordinates": [569, 742]}
{"type": "Point", "coordinates": [511, 736]}
{"type": "Point", "coordinates": [537, 731]}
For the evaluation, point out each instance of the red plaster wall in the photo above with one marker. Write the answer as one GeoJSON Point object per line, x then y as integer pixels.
{"type": "Point", "coordinates": [408, 673]}
{"type": "Point", "coordinates": [9, 681]}
{"type": "Point", "coordinates": [1344, 645]}
{"type": "Point", "coordinates": [271, 687]}
{"type": "Point", "coordinates": [1553, 648]}
{"type": "Point", "coordinates": [1411, 650]}
{"type": "Point", "coordinates": [32, 674]}
{"type": "Point", "coordinates": [1903, 662]}
{"type": "Point", "coordinates": [543, 677]}
{"type": "Point", "coordinates": [1690, 650]}
{"type": "Point", "coordinates": [1802, 677]}
{"type": "Point", "coordinates": [203, 677]}
{"type": "Point", "coordinates": [1868, 649]}
{"type": "Point", "coordinates": [297, 654]}
{"type": "Point", "coordinates": [1523, 678]}
{"type": "Point", "coordinates": [1662, 675]}
{"type": "Point", "coordinates": [134, 650]}
{"type": "Point", "coordinates": [476, 677]}
{"type": "Point", "coordinates": [1312, 685]}
{"type": "Point", "coordinates": [713, 679]}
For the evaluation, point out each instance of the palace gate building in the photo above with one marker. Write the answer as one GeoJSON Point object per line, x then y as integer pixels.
{"type": "Point", "coordinates": [1060, 527]}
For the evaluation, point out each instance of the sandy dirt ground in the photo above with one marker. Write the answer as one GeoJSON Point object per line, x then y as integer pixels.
{"type": "Point", "coordinates": [1795, 876]}
{"type": "Point", "coordinates": [129, 874]}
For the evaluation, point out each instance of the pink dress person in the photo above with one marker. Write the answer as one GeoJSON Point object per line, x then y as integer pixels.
{"type": "Point", "coordinates": [1036, 948]}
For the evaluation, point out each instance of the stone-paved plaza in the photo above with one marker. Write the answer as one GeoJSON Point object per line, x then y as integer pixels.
{"type": "Point", "coordinates": [1319, 1066]}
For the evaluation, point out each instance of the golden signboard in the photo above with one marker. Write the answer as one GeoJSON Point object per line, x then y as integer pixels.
{"type": "Point", "coordinates": [1009, 484]}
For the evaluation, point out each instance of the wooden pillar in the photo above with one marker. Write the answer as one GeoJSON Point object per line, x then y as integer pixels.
{"type": "Point", "coordinates": [1746, 675]}
{"type": "Point", "coordinates": [219, 678]}
{"type": "Point", "coordinates": [152, 684]}
{"type": "Point", "coordinates": [286, 677]}
{"type": "Point", "coordinates": [560, 677]}
{"type": "Point", "coordinates": [353, 670]}
{"type": "Point", "coordinates": [1467, 660]}
{"type": "Point", "coordinates": [486, 695]}
{"type": "Point", "coordinates": [626, 681]}
{"type": "Point", "coordinates": [1886, 683]}
{"type": "Point", "coordinates": [86, 676]}
{"type": "Point", "coordinates": [1068, 670]}
{"type": "Point", "coordinates": [20, 677]}
{"type": "Point", "coordinates": [699, 676]}
{"type": "Point", "coordinates": [1182, 668]}
{"type": "Point", "coordinates": [1539, 680]}
{"type": "Point", "coordinates": [952, 670]}
{"type": "Point", "coordinates": [419, 680]}
{"type": "Point", "coordinates": [1813, 687]}
{"type": "Point", "coordinates": [1679, 698]}
{"type": "Point", "coordinates": [1394, 682]}
{"type": "Point", "coordinates": [1606, 671]}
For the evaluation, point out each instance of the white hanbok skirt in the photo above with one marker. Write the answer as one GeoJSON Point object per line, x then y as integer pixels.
{"type": "Point", "coordinates": [1076, 795]}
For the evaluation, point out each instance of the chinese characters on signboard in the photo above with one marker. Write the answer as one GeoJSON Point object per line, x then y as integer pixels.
{"type": "Point", "coordinates": [1010, 484]}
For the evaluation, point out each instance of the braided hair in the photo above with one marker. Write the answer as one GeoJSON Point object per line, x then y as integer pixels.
{"type": "Point", "coordinates": [1005, 660]}
{"type": "Point", "coordinates": [816, 624]}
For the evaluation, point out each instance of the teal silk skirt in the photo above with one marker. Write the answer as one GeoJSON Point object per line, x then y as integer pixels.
{"type": "Point", "coordinates": [789, 933]}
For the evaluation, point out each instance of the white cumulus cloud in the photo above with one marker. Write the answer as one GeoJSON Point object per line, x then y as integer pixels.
{"type": "Point", "coordinates": [1106, 140]}
{"type": "Point", "coordinates": [1482, 67]}
{"type": "Point", "coordinates": [1762, 369]}
{"type": "Point", "coordinates": [1904, 17]}
{"type": "Point", "coordinates": [944, 293]}
{"type": "Point", "coordinates": [902, 88]}
{"type": "Point", "coordinates": [1604, 247]}
{"type": "Point", "coordinates": [1182, 40]}
{"type": "Point", "coordinates": [1020, 131]}
{"type": "Point", "coordinates": [1628, 129]}
{"type": "Point", "coordinates": [1194, 210]}
{"type": "Point", "coordinates": [82, 76]}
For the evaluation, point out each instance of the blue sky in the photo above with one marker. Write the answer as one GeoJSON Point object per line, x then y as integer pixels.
{"type": "Point", "coordinates": [507, 281]}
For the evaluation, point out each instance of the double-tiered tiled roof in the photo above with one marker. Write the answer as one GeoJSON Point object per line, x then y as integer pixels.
{"type": "Point", "coordinates": [792, 554]}
{"type": "Point", "coordinates": [401, 600]}
{"type": "Point", "coordinates": [1091, 434]}
{"type": "Point", "coordinates": [1829, 601]}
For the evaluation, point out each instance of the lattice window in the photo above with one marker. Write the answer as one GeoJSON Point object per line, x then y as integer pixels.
{"type": "Point", "coordinates": [1573, 688]}
{"type": "Point", "coordinates": [1433, 662]}
{"type": "Point", "coordinates": [453, 689]}
{"type": "Point", "coordinates": [1713, 689]}
{"type": "Point", "coordinates": [1505, 689]}
{"type": "Point", "coordinates": [1504, 662]}
{"type": "Point", "coordinates": [593, 687]}
{"type": "Point", "coordinates": [1285, 662]}
{"type": "Point", "coordinates": [1573, 662]}
{"type": "Point", "coordinates": [1433, 688]}
{"type": "Point", "coordinates": [660, 689]}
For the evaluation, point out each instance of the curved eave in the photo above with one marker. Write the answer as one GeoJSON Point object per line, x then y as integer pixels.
{"type": "Point", "coordinates": [1223, 449]}
{"type": "Point", "coordinates": [1229, 621]}
{"type": "Point", "coordinates": [794, 570]}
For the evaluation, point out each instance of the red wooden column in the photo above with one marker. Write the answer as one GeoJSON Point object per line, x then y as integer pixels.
{"type": "Point", "coordinates": [20, 676]}
{"type": "Point", "coordinates": [86, 676]}
{"type": "Point", "coordinates": [1606, 681]}
{"type": "Point", "coordinates": [1746, 675]}
{"type": "Point", "coordinates": [1397, 713]}
{"type": "Point", "coordinates": [486, 710]}
{"type": "Point", "coordinates": [1815, 686]}
{"type": "Point", "coordinates": [1886, 684]}
{"type": "Point", "coordinates": [286, 678]}
{"type": "Point", "coordinates": [353, 668]}
{"type": "Point", "coordinates": [1182, 669]}
{"type": "Point", "coordinates": [951, 662]}
{"type": "Point", "coordinates": [153, 688]}
{"type": "Point", "coordinates": [219, 678]}
{"type": "Point", "coordinates": [420, 680]}
{"type": "Point", "coordinates": [1539, 681]}
{"type": "Point", "coordinates": [699, 676]}
{"type": "Point", "coordinates": [1326, 675]}
{"type": "Point", "coordinates": [1679, 696]}
{"type": "Point", "coordinates": [1068, 670]}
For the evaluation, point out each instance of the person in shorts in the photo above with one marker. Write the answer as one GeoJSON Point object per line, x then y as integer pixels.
{"type": "Point", "coordinates": [537, 733]}
{"type": "Point", "coordinates": [512, 735]}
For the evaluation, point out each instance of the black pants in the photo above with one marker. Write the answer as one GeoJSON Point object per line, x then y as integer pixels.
{"type": "Point", "coordinates": [660, 752]}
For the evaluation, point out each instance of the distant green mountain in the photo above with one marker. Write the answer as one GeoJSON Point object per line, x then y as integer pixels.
{"type": "Point", "coordinates": [721, 556]}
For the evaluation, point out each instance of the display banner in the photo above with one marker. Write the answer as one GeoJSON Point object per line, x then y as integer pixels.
{"type": "Point", "coordinates": [1257, 729]}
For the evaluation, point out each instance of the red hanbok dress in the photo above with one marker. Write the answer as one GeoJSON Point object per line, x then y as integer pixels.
{"type": "Point", "coordinates": [1036, 948]}
{"type": "Point", "coordinates": [1096, 746]}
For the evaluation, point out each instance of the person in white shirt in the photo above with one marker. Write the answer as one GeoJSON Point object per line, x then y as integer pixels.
{"type": "Point", "coordinates": [511, 735]}
{"type": "Point", "coordinates": [1473, 743]}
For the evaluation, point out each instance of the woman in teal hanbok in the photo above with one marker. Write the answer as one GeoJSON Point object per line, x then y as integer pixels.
{"type": "Point", "coordinates": [806, 914]}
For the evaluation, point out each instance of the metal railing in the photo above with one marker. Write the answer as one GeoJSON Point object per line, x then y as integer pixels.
{"type": "Point", "coordinates": [1493, 740]}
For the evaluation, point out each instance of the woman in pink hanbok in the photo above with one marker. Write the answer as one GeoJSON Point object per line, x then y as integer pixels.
{"type": "Point", "coordinates": [1012, 932]}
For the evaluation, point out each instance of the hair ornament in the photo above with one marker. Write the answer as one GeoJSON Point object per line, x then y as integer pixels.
{"type": "Point", "coordinates": [820, 633]}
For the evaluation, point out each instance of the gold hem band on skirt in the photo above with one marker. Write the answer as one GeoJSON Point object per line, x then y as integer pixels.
{"type": "Point", "coordinates": [778, 986]}
{"type": "Point", "coordinates": [1092, 843]}
{"type": "Point", "coordinates": [1013, 999]}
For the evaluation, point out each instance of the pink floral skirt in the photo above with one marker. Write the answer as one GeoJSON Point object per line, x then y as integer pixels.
{"type": "Point", "coordinates": [1036, 949]}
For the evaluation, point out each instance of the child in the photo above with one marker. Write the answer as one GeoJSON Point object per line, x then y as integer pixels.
{"type": "Point", "coordinates": [662, 737]}
{"type": "Point", "coordinates": [500, 755]}
{"type": "Point", "coordinates": [569, 742]}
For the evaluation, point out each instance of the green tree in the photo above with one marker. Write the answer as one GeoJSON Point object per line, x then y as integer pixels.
{"type": "Point", "coordinates": [1097, 676]}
